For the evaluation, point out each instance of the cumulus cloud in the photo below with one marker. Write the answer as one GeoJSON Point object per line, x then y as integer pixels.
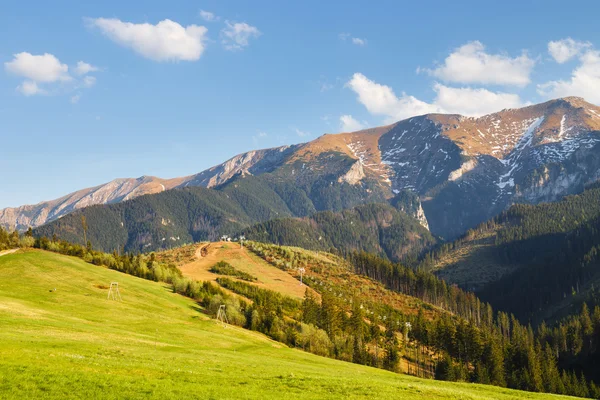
{"type": "Point", "coordinates": [473, 102]}
{"type": "Point", "coordinates": [349, 124]}
{"type": "Point", "coordinates": [237, 35]}
{"type": "Point", "coordinates": [208, 16]}
{"type": "Point", "coordinates": [45, 74]}
{"type": "Point", "coordinates": [84, 68]}
{"type": "Point", "coordinates": [381, 100]}
{"type": "Point", "coordinates": [359, 41]}
{"type": "Point", "coordinates": [471, 64]}
{"type": "Point", "coordinates": [165, 41]}
{"type": "Point", "coordinates": [565, 49]}
{"type": "Point", "coordinates": [584, 80]}
{"type": "Point", "coordinates": [38, 68]}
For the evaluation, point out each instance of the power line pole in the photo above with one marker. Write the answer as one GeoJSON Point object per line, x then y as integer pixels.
{"type": "Point", "coordinates": [302, 271]}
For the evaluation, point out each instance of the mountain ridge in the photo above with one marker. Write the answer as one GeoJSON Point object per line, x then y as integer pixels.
{"type": "Point", "coordinates": [465, 169]}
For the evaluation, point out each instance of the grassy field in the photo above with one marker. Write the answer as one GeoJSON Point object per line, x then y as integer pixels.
{"type": "Point", "coordinates": [61, 338]}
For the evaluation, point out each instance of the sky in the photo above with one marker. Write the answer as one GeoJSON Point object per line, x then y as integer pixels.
{"type": "Point", "coordinates": [93, 91]}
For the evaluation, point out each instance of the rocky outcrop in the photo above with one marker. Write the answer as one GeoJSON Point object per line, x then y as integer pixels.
{"type": "Point", "coordinates": [354, 175]}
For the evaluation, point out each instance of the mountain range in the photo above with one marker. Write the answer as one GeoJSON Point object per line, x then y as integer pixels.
{"type": "Point", "coordinates": [465, 170]}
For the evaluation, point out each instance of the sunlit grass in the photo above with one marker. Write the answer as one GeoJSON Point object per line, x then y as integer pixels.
{"type": "Point", "coordinates": [61, 338]}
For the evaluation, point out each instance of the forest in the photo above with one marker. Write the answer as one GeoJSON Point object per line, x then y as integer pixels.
{"type": "Point", "coordinates": [381, 229]}
{"type": "Point", "coordinates": [554, 247]}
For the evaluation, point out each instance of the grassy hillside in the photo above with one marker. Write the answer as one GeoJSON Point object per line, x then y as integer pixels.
{"type": "Point", "coordinates": [61, 338]}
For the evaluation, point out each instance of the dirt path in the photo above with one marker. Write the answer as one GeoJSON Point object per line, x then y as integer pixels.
{"type": "Point", "coordinates": [5, 252]}
{"type": "Point", "coordinates": [268, 276]}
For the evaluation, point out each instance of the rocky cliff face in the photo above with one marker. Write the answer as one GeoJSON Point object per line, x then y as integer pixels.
{"type": "Point", "coordinates": [465, 170]}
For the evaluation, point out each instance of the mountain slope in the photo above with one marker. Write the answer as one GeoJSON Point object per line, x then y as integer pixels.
{"type": "Point", "coordinates": [192, 214]}
{"type": "Point", "coordinates": [539, 262]}
{"type": "Point", "coordinates": [376, 228]}
{"type": "Point", "coordinates": [466, 170]}
{"type": "Point", "coordinates": [120, 190]}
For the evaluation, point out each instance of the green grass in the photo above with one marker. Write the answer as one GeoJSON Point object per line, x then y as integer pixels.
{"type": "Point", "coordinates": [74, 343]}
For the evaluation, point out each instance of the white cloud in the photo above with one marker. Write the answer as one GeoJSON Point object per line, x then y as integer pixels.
{"type": "Point", "coordinates": [38, 68]}
{"type": "Point", "coordinates": [381, 100]}
{"type": "Point", "coordinates": [75, 99]}
{"type": "Point", "coordinates": [473, 102]}
{"type": "Point", "coordinates": [30, 88]}
{"type": "Point", "coordinates": [208, 16]}
{"type": "Point", "coordinates": [584, 81]}
{"type": "Point", "coordinates": [565, 49]}
{"type": "Point", "coordinates": [165, 41]}
{"type": "Point", "coordinates": [237, 35]}
{"type": "Point", "coordinates": [349, 124]}
{"type": "Point", "coordinates": [84, 68]}
{"type": "Point", "coordinates": [471, 64]}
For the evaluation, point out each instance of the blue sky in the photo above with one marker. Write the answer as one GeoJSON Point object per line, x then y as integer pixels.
{"type": "Point", "coordinates": [92, 91]}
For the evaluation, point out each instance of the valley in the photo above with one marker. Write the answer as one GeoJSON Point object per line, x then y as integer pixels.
{"type": "Point", "coordinates": [426, 247]}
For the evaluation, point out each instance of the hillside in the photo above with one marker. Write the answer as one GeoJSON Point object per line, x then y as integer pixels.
{"type": "Point", "coordinates": [375, 228]}
{"type": "Point", "coordinates": [176, 217]}
{"type": "Point", "coordinates": [466, 170]}
{"type": "Point", "coordinates": [62, 338]}
{"type": "Point", "coordinates": [539, 262]}
{"type": "Point", "coordinates": [322, 267]}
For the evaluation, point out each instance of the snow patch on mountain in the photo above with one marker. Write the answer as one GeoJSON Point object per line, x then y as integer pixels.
{"type": "Point", "coordinates": [464, 168]}
{"type": "Point", "coordinates": [512, 161]}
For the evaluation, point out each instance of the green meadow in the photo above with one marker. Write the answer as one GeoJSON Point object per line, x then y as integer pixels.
{"type": "Point", "coordinates": [60, 337]}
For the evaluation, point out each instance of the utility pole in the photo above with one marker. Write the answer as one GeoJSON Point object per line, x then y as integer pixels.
{"type": "Point", "coordinates": [302, 271]}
